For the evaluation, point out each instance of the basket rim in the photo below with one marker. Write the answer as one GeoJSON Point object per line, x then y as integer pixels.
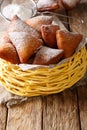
{"type": "Point", "coordinates": [37, 83]}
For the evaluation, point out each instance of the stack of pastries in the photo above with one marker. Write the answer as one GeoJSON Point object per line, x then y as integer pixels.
{"type": "Point", "coordinates": [37, 41]}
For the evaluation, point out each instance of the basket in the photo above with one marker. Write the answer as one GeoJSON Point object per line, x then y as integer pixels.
{"type": "Point", "coordinates": [43, 80]}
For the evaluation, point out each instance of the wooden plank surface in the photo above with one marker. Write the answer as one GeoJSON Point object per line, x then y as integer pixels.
{"type": "Point", "coordinates": [61, 112]}
{"type": "Point", "coordinates": [79, 23]}
{"type": "Point", "coordinates": [26, 116]}
{"type": "Point", "coordinates": [3, 116]}
{"type": "Point", "coordinates": [55, 112]}
{"type": "Point", "coordinates": [82, 96]}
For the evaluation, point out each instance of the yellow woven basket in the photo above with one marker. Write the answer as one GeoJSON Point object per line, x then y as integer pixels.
{"type": "Point", "coordinates": [46, 80]}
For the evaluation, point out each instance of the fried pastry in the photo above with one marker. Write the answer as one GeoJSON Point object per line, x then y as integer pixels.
{"type": "Point", "coordinates": [17, 25]}
{"type": "Point", "coordinates": [8, 52]}
{"type": "Point", "coordinates": [49, 35]}
{"type": "Point", "coordinates": [47, 56]}
{"type": "Point", "coordinates": [5, 38]}
{"type": "Point", "coordinates": [30, 60]}
{"type": "Point", "coordinates": [25, 44]}
{"type": "Point", "coordinates": [68, 4]}
{"type": "Point", "coordinates": [38, 21]}
{"type": "Point", "coordinates": [57, 21]}
{"type": "Point", "coordinates": [68, 41]}
{"type": "Point", "coordinates": [46, 5]}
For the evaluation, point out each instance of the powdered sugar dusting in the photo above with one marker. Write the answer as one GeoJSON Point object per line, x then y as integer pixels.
{"type": "Point", "coordinates": [38, 21]}
{"type": "Point", "coordinates": [42, 19]}
{"type": "Point", "coordinates": [11, 10]}
{"type": "Point", "coordinates": [71, 3]}
{"type": "Point", "coordinates": [18, 25]}
{"type": "Point", "coordinates": [48, 53]}
{"type": "Point", "coordinates": [20, 10]}
{"type": "Point", "coordinates": [25, 44]}
{"type": "Point", "coordinates": [45, 3]}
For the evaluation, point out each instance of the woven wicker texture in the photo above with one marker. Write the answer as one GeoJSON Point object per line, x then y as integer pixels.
{"type": "Point", "coordinates": [43, 81]}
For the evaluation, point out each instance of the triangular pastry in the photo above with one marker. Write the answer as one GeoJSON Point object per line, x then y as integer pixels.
{"type": "Point", "coordinates": [38, 21]}
{"type": "Point", "coordinates": [68, 41]}
{"type": "Point", "coordinates": [49, 35]}
{"type": "Point", "coordinates": [47, 56]}
{"type": "Point", "coordinates": [8, 51]}
{"type": "Point", "coordinates": [45, 5]}
{"type": "Point", "coordinates": [17, 25]}
{"type": "Point", "coordinates": [25, 44]}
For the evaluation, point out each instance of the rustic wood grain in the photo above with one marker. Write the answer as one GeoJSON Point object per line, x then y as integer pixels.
{"type": "Point", "coordinates": [26, 116]}
{"type": "Point", "coordinates": [79, 23]}
{"type": "Point", "coordinates": [61, 112]}
{"type": "Point", "coordinates": [3, 111]}
{"type": "Point", "coordinates": [82, 96]}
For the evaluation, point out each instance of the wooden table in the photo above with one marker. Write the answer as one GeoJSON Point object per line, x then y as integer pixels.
{"type": "Point", "coordinates": [63, 111]}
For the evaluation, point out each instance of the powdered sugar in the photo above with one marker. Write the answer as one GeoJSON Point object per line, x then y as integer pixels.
{"type": "Point", "coordinates": [25, 44]}
{"type": "Point", "coordinates": [71, 3]}
{"type": "Point", "coordinates": [45, 3]}
{"type": "Point", "coordinates": [48, 53]}
{"type": "Point", "coordinates": [20, 10]}
{"type": "Point", "coordinates": [17, 25]}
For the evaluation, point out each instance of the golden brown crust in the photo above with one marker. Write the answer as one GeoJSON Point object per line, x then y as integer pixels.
{"type": "Point", "coordinates": [49, 35]}
{"type": "Point", "coordinates": [68, 41]}
{"type": "Point", "coordinates": [30, 60]}
{"type": "Point", "coordinates": [38, 21]}
{"type": "Point", "coordinates": [8, 53]}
